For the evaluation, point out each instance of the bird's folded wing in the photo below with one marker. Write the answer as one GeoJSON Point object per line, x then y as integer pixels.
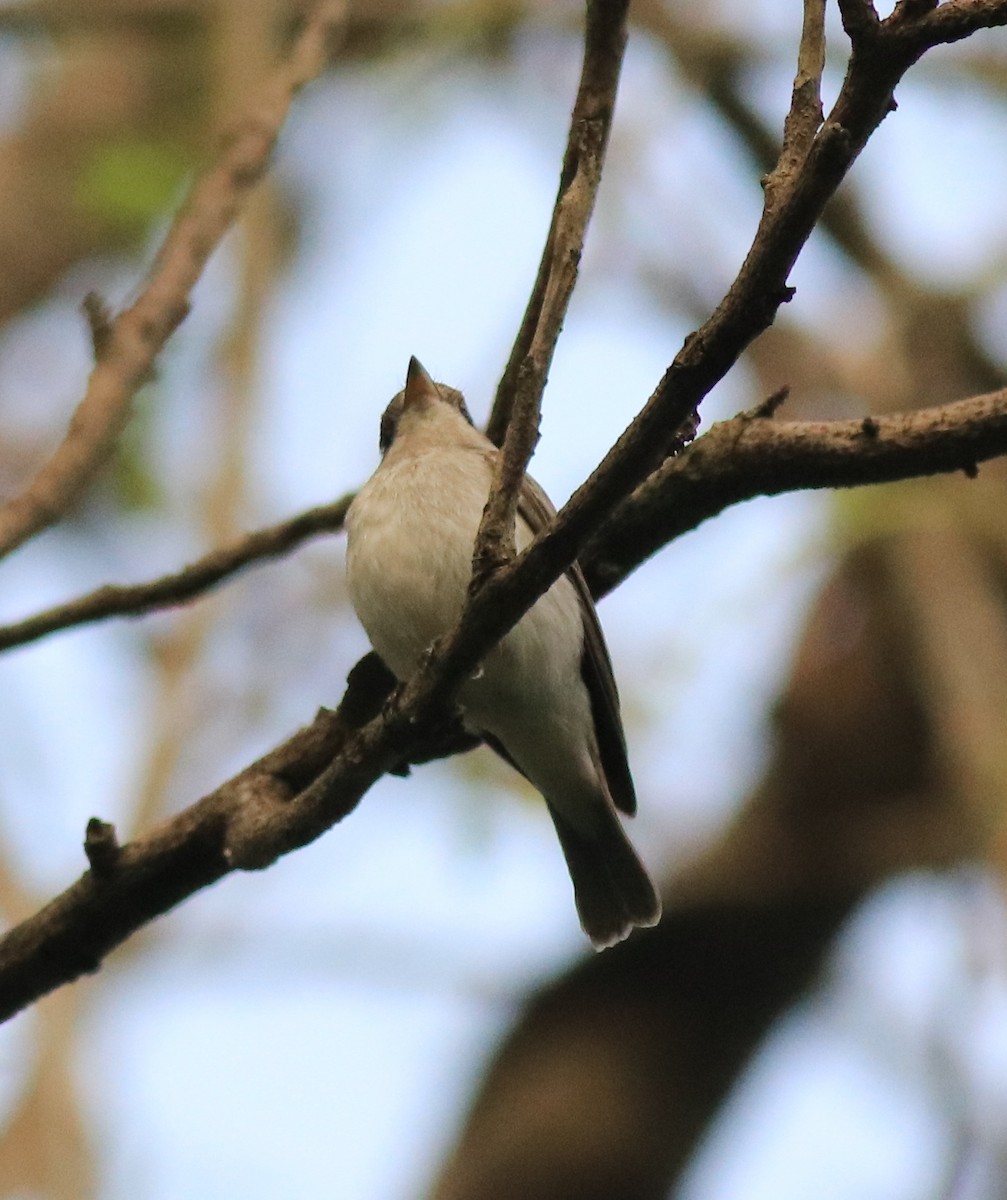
{"type": "Point", "coordinates": [536, 509]}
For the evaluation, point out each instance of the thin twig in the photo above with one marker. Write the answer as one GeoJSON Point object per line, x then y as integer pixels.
{"type": "Point", "coordinates": [805, 116]}
{"type": "Point", "coordinates": [949, 22]}
{"type": "Point", "coordinates": [719, 69]}
{"type": "Point", "coordinates": [517, 408]}
{"type": "Point", "coordinates": [133, 600]}
{"type": "Point", "coordinates": [127, 347]}
{"type": "Point", "coordinates": [751, 303]}
{"type": "Point", "coordinates": [590, 123]}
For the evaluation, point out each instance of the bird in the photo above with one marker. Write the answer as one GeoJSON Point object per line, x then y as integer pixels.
{"type": "Point", "coordinates": [544, 697]}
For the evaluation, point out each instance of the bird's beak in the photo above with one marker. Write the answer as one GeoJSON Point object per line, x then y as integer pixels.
{"type": "Point", "coordinates": [420, 388]}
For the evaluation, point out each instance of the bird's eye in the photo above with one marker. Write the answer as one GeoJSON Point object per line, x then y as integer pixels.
{"type": "Point", "coordinates": [387, 432]}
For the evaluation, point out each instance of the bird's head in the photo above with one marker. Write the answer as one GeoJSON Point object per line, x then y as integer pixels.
{"type": "Point", "coordinates": [419, 400]}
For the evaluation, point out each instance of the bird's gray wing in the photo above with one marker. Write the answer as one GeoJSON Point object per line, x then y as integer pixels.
{"type": "Point", "coordinates": [536, 509]}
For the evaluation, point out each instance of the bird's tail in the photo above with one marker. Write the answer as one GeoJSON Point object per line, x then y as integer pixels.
{"type": "Point", "coordinates": [612, 889]}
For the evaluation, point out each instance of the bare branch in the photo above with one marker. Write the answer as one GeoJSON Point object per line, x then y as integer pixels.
{"type": "Point", "coordinates": [916, 26]}
{"type": "Point", "coordinates": [754, 456]}
{"type": "Point", "coordinates": [909, 9]}
{"type": "Point", "coordinates": [718, 69]}
{"type": "Point", "coordinates": [736, 460]}
{"type": "Point", "coordinates": [860, 20]}
{"type": "Point", "coordinates": [950, 22]}
{"type": "Point", "coordinates": [517, 408]}
{"type": "Point", "coordinates": [133, 600]}
{"type": "Point", "coordinates": [126, 347]}
{"type": "Point", "coordinates": [71, 935]}
{"type": "Point", "coordinates": [292, 796]}
{"type": "Point", "coordinates": [302, 787]}
{"type": "Point", "coordinates": [590, 122]}
{"type": "Point", "coordinates": [805, 116]}
{"type": "Point", "coordinates": [790, 213]}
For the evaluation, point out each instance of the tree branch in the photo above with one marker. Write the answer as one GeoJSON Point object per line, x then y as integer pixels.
{"type": "Point", "coordinates": [805, 116]}
{"type": "Point", "coordinates": [71, 935]}
{"type": "Point", "coordinates": [514, 421]}
{"type": "Point", "coordinates": [747, 457]}
{"type": "Point", "coordinates": [118, 600]}
{"type": "Point", "coordinates": [860, 20]}
{"type": "Point", "coordinates": [735, 461]}
{"type": "Point", "coordinates": [879, 59]}
{"type": "Point", "coordinates": [316, 777]}
{"type": "Point", "coordinates": [125, 348]}
{"type": "Point", "coordinates": [590, 123]}
{"type": "Point", "coordinates": [291, 796]}
{"type": "Point", "coordinates": [937, 24]}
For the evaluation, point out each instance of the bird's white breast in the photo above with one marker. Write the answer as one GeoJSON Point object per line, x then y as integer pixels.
{"type": "Point", "coordinates": [411, 534]}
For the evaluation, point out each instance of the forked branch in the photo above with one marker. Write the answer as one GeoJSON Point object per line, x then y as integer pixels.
{"type": "Point", "coordinates": [127, 345]}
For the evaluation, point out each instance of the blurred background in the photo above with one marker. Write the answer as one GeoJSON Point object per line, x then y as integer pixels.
{"type": "Point", "coordinates": [815, 687]}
